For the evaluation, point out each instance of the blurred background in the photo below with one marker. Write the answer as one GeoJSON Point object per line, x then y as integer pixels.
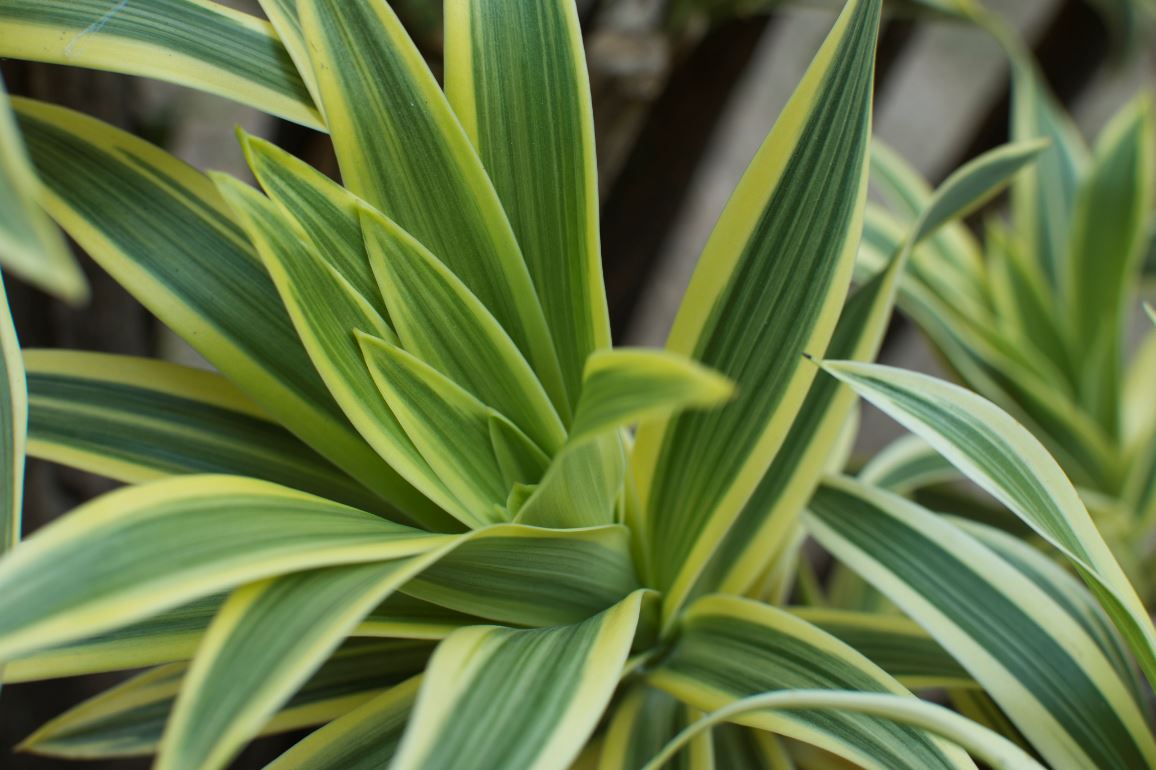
{"type": "Point", "coordinates": [684, 92]}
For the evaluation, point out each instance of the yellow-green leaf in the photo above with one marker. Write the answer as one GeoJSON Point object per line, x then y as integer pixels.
{"type": "Point", "coordinates": [516, 77]}
{"type": "Point", "coordinates": [195, 43]}
{"type": "Point", "coordinates": [768, 287]}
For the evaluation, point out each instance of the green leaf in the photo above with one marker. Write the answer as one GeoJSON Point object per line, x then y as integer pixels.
{"type": "Point", "coordinates": [401, 148]}
{"type": "Point", "coordinates": [905, 465]}
{"type": "Point", "coordinates": [761, 530]}
{"type": "Point", "coordinates": [364, 739]}
{"type": "Point", "coordinates": [516, 77]}
{"type": "Point", "coordinates": [13, 428]}
{"type": "Point", "coordinates": [266, 641]}
{"type": "Point", "coordinates": [168, 637]}
{"type": "Point", "coordinates": [1003, 458]}
{"type": "Point", "coordinates": [951, 262]}
{"type": "Point", "coordinates": [581, 488]}
{"type": "Point", "coordinates": [440, 321]}
{"type": "Point", "coordinates": [984, 744]}
{"type": "Point", "coordinates": [524, 576]}
{"type": "Point", "coordinates": [730, 648]}
{"type": "Point", "coordinates": [326, 312]}
{"type": "Point", "coordinates": [790, 229]}
{"type": "Point", "coordinates": [30, 245]}
{"type": "Point", "coordinates": [502, 698]}
{"type": "Point", "coordinates": [129, 720]}
{"type": "Point", "coordinates": [103, 566]}
{"type": "Point", "coordinates": [449, 427]}
{"type": "Point", "coordinates": [643, 721]}
{"type": "Point", "coordinates": [326, 212]}
{"type": "Point", "coordinates": [894, 643]}
{"type": "Point", "coordinates": [1044, 198]}
{"type": "Point", "coordinates": [1108, 243]}
{"type": "Point", "coordinates": [136, 419]}
{"type": "Point", "coordinates": [625, 386]}
{"type": "Point", "coordinates": [160, 228]}
{"type": "Point", "coordinates": [975, 183]}
{"type": "Point", "coordinates": [194, 43]}
{"type": "Point", "coordinates": [1034, 658]}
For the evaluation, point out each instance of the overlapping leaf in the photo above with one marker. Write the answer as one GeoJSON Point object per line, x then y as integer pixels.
{"type": "Point", "coordinates": [190, 42]}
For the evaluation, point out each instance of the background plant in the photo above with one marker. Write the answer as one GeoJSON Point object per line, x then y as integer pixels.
{"type": "Point", "coordinates": [570, 573]}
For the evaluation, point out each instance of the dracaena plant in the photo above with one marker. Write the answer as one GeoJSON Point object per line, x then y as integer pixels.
{"type": "Point", "coordinates": [1038, 318]}
{"type": "Point", "coordinates": [408, 510]}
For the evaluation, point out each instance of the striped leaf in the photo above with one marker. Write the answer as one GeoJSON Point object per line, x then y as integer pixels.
{"type": "Point", "coordinates": [440, 321]}
{"type": "Point", "coordinates": [583, 484]}
{"type": "Point", "coordinates": [168, 637]}
{"type": "Point", "coordinates": [163, 232]}
{"type": "Point", "coordinates": [325, 211]}
{"type": "Point", "coordinates": [894, 643]}
{"type": "Point", "coordinates": [282, 14]}
{"type": "Point", "coordinates": [13, 428]}
{"type": "Point", "coordinates": [1109, 238]}
{"type": "Point", "coordinates": [1003, 458]}
{"type": "Point", "coordinates": [523, 576]}
{"type": "Point", "coordinates": [174, 635]}
{"type": "Point", "coordinates": [625, 386]}
{"type": "Point", "coordinates": [448, 427]}
{"type": "Point", "coordinates": [501, 698]}
{"type": "Point", "coordinates": [730, 648]}
{"type": "Point", "coordinates": [30, 245]}
{"type": "Point", "coordinates": [516, 77]}
{"type": "Point", "coordinates": [952, 262]}
{"type": "Point", "coordinates": [1024, 648]}
{"type": "Point", "coordinates": [582, 487]}
{"type": "Point", "coordinates": [266, 641]}
{"type": "Point", "coordinates": [326, 312]}
{"type": "Point", "coordinates": [382, 103]}
{"type": "Point", "coordinates": [1044, 198]}
{"type": "Point", "coordinates": [906, 465]}
{"type": "Point", "coordinates": [221, 531]}
{"type": "Point", "coordinates": [364, 739]}
{"type": "Point", "coordinates": [992, 748]}
{"type": "Point", "coordinates": [769, 286]}
{"type": "Point", "coordinates": [129, 720]}
{"type": "Point", "coordinates": [195, 43]}
{"type": "Point", "coordinates": [136, 419]}
{"type": "Point", "coordinates": [644, 720]}
{"type": "Point", "coordinates": [761, 530]}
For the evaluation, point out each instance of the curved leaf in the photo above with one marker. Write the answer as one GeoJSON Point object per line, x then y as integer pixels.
{"type": "Point", "coordinates": [194, 43]}
{"type": "Point", "coordinates": [135, 419]}
{"type": "Point", "coordinates": [501, 698]}
{"type": "Point", "coordinates": [141, 550]}
{"type": "Point", "coordinates": [768, 287]}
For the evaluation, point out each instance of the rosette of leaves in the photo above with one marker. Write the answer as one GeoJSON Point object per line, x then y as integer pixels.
{"type": "Point", "coordinates": [406, 508]}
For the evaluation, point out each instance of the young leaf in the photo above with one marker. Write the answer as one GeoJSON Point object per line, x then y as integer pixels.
{"type": "Point", "coordinates": [194, 43]}
{"type": "Point", "coordinates": [326, 312]}
{"type": "Point", "coordinates": [516, 77]}
{"type": "Point", "coordinates": [440, 321]}
{"type": "Point", "coordinates": [380, 98]}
